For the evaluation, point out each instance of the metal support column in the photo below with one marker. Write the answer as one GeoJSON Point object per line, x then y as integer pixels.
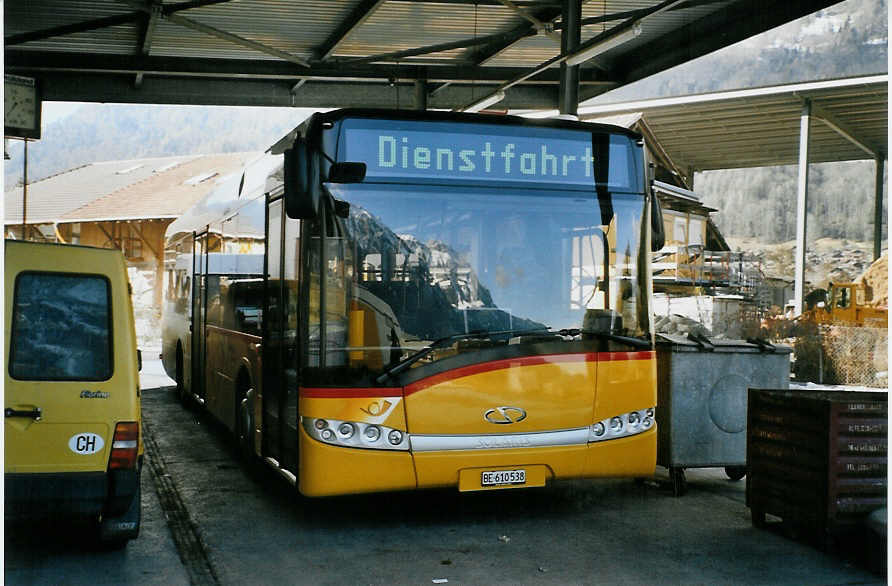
{"type": "Point", "coordinates": [878, 210]}
{"type": "Point", "coordinates": [25, 194]}
{"type": "Point", "coordinates": [571, 34]}
{"type": "Point", "coordinates": [802, 206]}
{"type": "Point", "coordinates": [420, 94]}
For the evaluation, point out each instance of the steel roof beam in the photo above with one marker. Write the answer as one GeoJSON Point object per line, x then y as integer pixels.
{"type": "Point", "coordinates": [226, 36]}
{"type": "Point", "coordinates": [845, 131]}
{"type": "Point", "coordinates": [78, 27]}
{"type": "Point", "coordinates": [89, 25]}
{"type": "Point", "coordinates": [48, 61]}
{"type": "Point", "coordinates": [550, 17]}
{"type": "Point", "coordinates": [180, 6]}
{"type": "Point", "coordinates": [546, 28]}
{"type": "Point", "coordinates": [175, 18]}
{"type": "Point", "coordinates": [568, 93]}
{"type": "Point", "coordinates": [496, 38]}
{"type": "Point", "coordinates": [150, 21]}
{"type": "Point", "coordinates": [360, 14]}
{"type": "Point", "coordinates": [253, 92]}
{"type": "Point", "coordinates": [486, 54]}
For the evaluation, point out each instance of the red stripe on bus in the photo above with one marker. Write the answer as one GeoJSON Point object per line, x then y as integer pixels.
{"type": "Point", "coordinates": [525, 361]}
{"type": "Point", "coordinates": [350, 393]}
{"type": "Point", "coordinates": [364, 393]}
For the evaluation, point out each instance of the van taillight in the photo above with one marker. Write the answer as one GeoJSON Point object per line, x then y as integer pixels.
{"type": "Point", "coordinates": [124, 446]}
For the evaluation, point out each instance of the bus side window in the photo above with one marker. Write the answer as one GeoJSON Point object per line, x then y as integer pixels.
{"type": "Point", "coordinates": [246, 298]}
{"type": "Point", "coordinates": [216, 290]}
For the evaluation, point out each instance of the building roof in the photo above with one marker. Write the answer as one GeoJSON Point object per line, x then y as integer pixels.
{"type": "Point", "coordinates": [135, 189]}
{"type": "Point", "coordinates": [362, 53]}
{"type": "Point", "coordinates": [760, 126]}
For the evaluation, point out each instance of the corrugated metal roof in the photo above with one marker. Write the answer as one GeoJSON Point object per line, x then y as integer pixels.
{"type": "Point", "coordinates": [760, 126]}
{"type": "Point", "coordinates": [152, 188]}
{"type": "Point", "coordinates": [92, 50]}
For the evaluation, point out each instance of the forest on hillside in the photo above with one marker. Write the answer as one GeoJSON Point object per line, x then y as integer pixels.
{"type": "Point", "coordinates": [846, 39]}
{"type": "Point", "coordinates": [761, 202]}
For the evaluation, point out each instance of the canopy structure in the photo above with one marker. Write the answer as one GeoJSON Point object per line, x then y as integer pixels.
{"type": "Point", "coordinates": [802, 123]}
{"type": "Point", "coordinates": [370, 53]}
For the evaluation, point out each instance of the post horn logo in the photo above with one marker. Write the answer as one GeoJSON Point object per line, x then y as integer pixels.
{"type": "Point", "coordinates": [505, 415]}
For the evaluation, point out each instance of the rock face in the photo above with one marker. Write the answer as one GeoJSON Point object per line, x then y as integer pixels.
{"type": "Point", "coordinates": [827, 260]}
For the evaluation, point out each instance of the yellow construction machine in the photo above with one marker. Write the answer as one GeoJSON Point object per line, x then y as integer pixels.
{"type": "Point", "coordinates": [843, 304]}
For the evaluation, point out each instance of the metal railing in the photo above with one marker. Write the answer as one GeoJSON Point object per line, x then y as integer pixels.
{"type": "Point", "coordinates": [692, 265]}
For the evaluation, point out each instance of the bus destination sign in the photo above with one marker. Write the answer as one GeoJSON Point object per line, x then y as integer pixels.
{"type": "Point", "coordinates": [432, 151]}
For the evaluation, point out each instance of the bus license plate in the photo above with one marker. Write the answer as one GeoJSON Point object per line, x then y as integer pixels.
{"type": "Point", "coordinates": [503, 477]}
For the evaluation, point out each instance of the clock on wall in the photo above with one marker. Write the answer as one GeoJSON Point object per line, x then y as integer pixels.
{"type": "Point", "coordinates": [21, 107]}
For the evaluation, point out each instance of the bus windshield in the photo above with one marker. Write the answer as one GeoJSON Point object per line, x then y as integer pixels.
{"type": "Point", "coordinates": [431, 262]}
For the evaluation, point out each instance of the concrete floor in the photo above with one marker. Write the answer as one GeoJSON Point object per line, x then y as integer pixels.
{"type": "Point", "coordinates": [253, 528]}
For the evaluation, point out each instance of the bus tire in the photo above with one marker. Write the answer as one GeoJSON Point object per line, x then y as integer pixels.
{"type": "Point", "coordinates": [245, 419]}
{"type": "Point", "coordinates": [180, 375]}
{"type": "Point", "coordinates": [735, 473]}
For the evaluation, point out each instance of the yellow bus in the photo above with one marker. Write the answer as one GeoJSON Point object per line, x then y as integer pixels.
{"type": "Point", "coordinates": [392, 300]}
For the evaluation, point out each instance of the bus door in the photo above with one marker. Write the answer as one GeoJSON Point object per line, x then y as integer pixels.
{"type": "Point", "coordinates": [199, 314]}
{"type": "Point", "coordinates": [273, 334]}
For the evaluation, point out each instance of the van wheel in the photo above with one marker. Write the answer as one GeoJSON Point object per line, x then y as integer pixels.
{"type": "Point", "coordinates": [245, 423]}
{"type": "Point", "coordinates": [115, 532]}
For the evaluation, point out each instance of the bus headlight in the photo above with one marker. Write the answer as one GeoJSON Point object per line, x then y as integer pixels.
{"type": "Point", "coordinates": [354, 434]}
{"type": "Point", "coordinates": [372, 433]}
{"type": "Point", "coordinates": [631, 423]}
{"type": "Point", "coordinates": [395, 437]}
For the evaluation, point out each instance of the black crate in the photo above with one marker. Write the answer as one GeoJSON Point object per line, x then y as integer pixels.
{"type": "Point", "coordinates": [816, 458]}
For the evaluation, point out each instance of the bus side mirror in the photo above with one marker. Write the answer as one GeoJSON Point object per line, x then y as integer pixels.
{"type": "Point", "coordinates": [657, 230]}
{"type": "Point", "coordinates": [303, 189]}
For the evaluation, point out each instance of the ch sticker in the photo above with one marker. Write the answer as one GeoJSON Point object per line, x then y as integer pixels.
{"type": "Point", "coordinates": [86, 444]}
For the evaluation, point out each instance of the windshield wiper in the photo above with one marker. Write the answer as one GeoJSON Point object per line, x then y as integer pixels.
{"type": "Point", "coordinates": [408, 361]}
{"type": "Point", "coordinates": [636, 342]}
{"type": "Point", "coordinates": [472, 335]}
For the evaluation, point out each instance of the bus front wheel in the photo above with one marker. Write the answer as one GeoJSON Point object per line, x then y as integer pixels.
{"type": "Point", "coordinates": [245, 422]}
{"type": "Point", "coordinates": [180, 376]}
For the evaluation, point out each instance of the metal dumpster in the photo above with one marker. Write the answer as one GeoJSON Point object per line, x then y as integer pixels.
{"type": "Point", "coordinates": [701, 402]}
{"type": "Point", "coordinates": [817, 458]}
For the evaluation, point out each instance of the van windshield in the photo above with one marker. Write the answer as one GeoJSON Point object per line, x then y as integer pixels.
{"type": "Point", "coordinates": [61, 328]}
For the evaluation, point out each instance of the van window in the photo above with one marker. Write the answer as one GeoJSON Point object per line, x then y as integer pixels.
{"type": "Point", "coordinates": [61, 327]}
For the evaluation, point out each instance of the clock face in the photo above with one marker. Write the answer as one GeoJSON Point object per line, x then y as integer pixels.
{"type": "Point", "coordinates": [21, 107]}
